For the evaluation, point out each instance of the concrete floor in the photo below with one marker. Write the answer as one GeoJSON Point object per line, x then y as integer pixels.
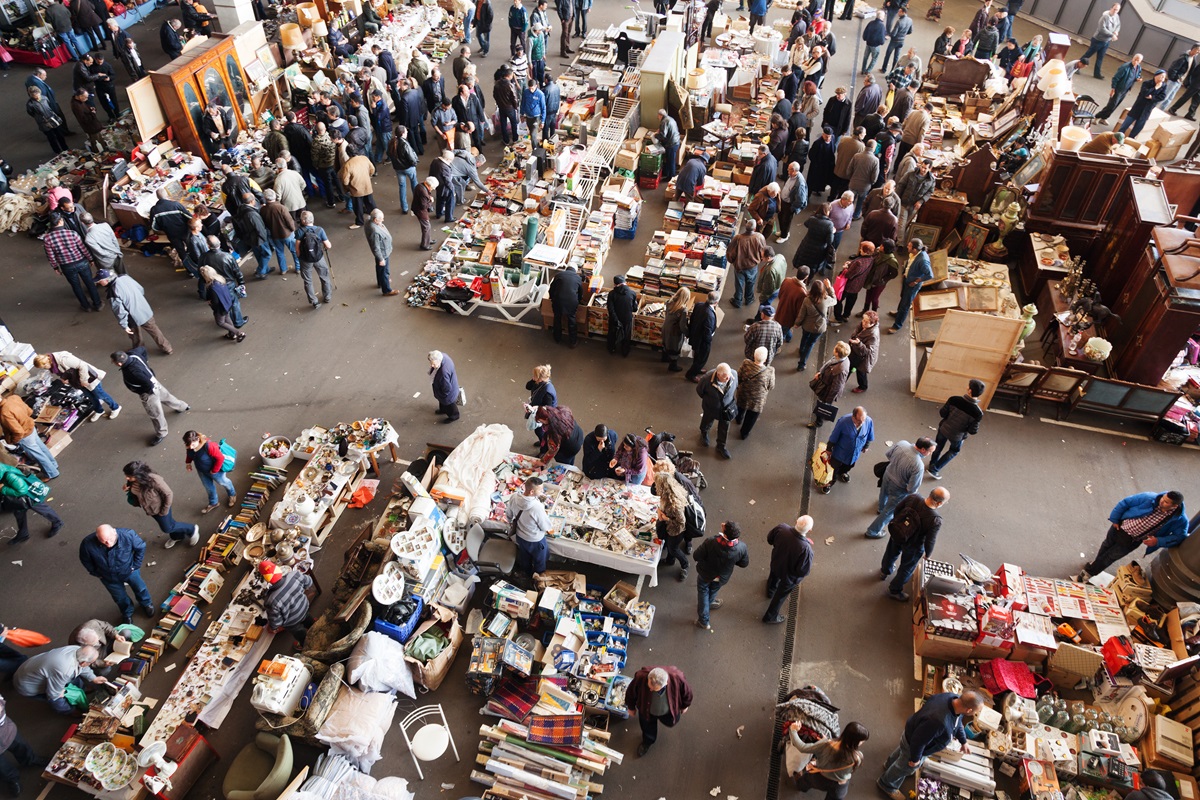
{"type": "Point", "coordinates": [364, 355]}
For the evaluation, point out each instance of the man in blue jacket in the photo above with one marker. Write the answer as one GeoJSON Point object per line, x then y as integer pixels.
{"type": "Point", "coordinates": [927, 732]}
{"type": "Point", "coordinates": [1155, 520]}
{"type": "Point", "coordinates": [874, 35]}
{"type": "Point", "coordinates": [919, 271]}
{"type": "Point", "coordinates": [114, 555]}
{"type": "Point", "coordinates": [851, 437]}
{"type": "Point", "coordinates": [533, 109]}
{"type": "Point", "coordinates": [1126, 76]}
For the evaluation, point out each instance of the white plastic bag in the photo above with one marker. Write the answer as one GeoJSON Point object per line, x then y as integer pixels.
{"type": "Point", "coordinates": [377, 665]}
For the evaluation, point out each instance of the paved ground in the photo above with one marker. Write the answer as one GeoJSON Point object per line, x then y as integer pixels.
{"type": "Point", "coordinates": [1024, 490]}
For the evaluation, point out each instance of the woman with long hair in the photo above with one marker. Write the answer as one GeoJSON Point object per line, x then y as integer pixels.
{"type": "Point", "coordinates": [675, 327]}
{"type": "Point", "coordinates": [833, 761]}
{"type": "Point", "coordinates": [562, 437]}
{"type": "Point", "coordinates": [147, 490]}
{"type": "Point", "coordinates": [220, 300]}
{"type": "Point", "coordinates": [541, 393]}
{"type": "Point", "coordinates": [813, 319]}
{"type": "Point", "coordinates": [632, 462]}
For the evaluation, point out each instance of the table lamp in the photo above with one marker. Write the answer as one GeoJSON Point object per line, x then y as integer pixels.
{"type": "Point", "coordinates": [290, 37]}
{"type": "Point", "coordinates": [320, 31]}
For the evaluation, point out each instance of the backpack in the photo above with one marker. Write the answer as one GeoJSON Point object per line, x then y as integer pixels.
{"type": "Point", "coordinates": [311, 248]}
{"type": "Point", "coordinates": [694, 517]}
{"type": "Point", "coordinates": [905, 523]}
{"type": "Point", "coordinates": [230, 456]}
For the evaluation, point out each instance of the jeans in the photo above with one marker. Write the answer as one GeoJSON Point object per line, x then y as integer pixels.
{"type": "Point", "coordinates": [508, 125]}
{"type": "Point", "coordinates": [779, 589]}
{"type": "Point", "coordinates": [670, 161]}
{"type": "Point", "coordinates": [235, 310]}
{"type": "Point", "coordinates": [100, 398]}
{"type": "Point", "coordinates": [706, 592]}
{"type": "Point", "coordinates": [869, 58]}
{"type": "Point", "coordinates": [172, 527]}
{"type": "Point", "coordinates": [531, 556]}
{"type": "Point", "coordinates": [322, 269]}
{"type": "Point", "coordinates": [21, 515]}
{"type": "Point", "coordinates": [485, 41]}
{"type": "Point", "coordinates": [79, 275]}
{"type": "Point", "coordinates": [675, 552]}
{"type": "Point", "coordinates": [896, 769]}
{"type": "Point", "coordinates": [24, 755]}
{"type": "Point", "coordinates": [381, 143]}
{"type": "Point", "coordinates": [445, 202]}
{"type": "Point", "coordinates": [73, 45]}
{"type": "Point", "coordinates": [940, 460]}
{"type": "Point", "coordinates": [211, 482]}
{"type": "Point", "coordinates": [889, 497]}
{"type": "Point", "coordinates": [117, 589]}
{"type": "Point", "coordinates": [407, 180]}
{"type": "Point", "coordinates": [383, 276]}
{"type": "Point", "coordinates": [1117, 544]}
{"type": "Point", "coordinates": [907, 295]}
{"type": "Point", "coordinates": [468, 18]}
{"type": "Point", "coordinates": [1097, 48]}
{"type": "Point", "coordinates": [743, 287]}
{"type": "Point", "coordinates": [289, 244]}
{"type": "Point", "coordinates": [538, 67]}
{"type": "Point", "coordinates": [262, 254]}
{"type": "Point", "coordinates": [807, 340]}
{"type": "Point", "coordinates": [10, 659]}
{"type": "Point", "coordinates": [581, 22]}
{"type": "Point", "coordinates": [1172, 89]}
{"type": "Point", "coordinates": [909, 556]}
{"type": "Point", "coordinates": [892, 54]}
{"type": "Point", "coordinates": [33, 447]}
{"type": "Point", "coordinates": [329, 181]}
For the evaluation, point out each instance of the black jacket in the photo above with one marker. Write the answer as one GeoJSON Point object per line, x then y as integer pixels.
{"type": "Point", "coordinates": [717, 402]}
{"type": "Point", "coordinates": [596, 458]}
{"type": "Point", "coordinates": [791, 554]}
{"type": "Point", "coordinates": [225, 265]}
{"type": "Point", "coordinates": [484, 16]}
{"type": "Point", "coordinates": [171, 218]}
{"type": "Point", "coordinates": [702, 324]}
{"type": "Point", "coordinates": [622, 301]}
{"type": "Point", "coordinates": [925, 536]}
{"type": "Point", "coordinates": [716, 560]}
{"type": "Point", "coordinates": [136, 372]}
{"type": "Point", "coordinates": [960, 418]}
{"type": "Point", "coordinates": [566, 290]}
{"type": "Point", "coordinates": [299, 142]}
{"type": "Point", "coordinates": [249, 226]}
{"type": "Point", "coordinates": [168, 37]}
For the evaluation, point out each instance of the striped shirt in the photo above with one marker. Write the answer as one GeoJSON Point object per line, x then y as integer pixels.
{"type": "Point", "coordinates": [63, 247]}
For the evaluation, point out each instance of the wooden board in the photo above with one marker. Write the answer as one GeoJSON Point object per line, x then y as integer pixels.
{"type": "Point", "coordinates": [969, 345]}
{"type": "Point", "coordinates": [146, 111]}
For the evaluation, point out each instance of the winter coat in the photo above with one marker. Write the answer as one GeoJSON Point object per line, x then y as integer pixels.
{"type": "Point", "coordinates": [837, 116]}
{"type": "Point", "coordinates": [15, 484]}
{"type": "Point", "coordinates": [812, 318]}
{"type": "Point", "coordinates": [764, 172]}
{"type": "Point", "coordinates": [674, 331]}
{"type": "Point", "coordinates": [702, 324]}
{"type": "Point", "coordinates": [864, 169]}
{"type": "Point", "coordinates": [746, 251]}
{"type": "Point", "coordinates": [566, 291]}
{"type": "Point", "coordinates": [541, 394]}
{"type": "Point", "coordinates": [755, 381]}
{"type": "Point", "coordinates": [791, 553]}
{"type": "Point", "coordinates": [16, 419]}
{"type": "Point", "coordinates": [787, 306]}
{"type": "Point", "coordinates": [219, 298]}
{"type": "Point", "coordinates": [875, 33]}
{"type": "Point", "coordinates": [848, 442]}
{"type": "Point", "coordinates": [116, 563]}
{"type": "Point", "coordinates": [960, 418]}
{"type": "Point", "coordinates": [864, 348]}
{"type": "Point", "coordinates": [379, 239]}
{"type": "Point", "coordinates": [831, 380]}
{"type": "Point", "coordinates": [847, 148]}
{"type": "Point", "coordinates": [639, 694]}
{"type": "Point", "coordinates": [621, 303]}
{"type": "Point", "coordinates": [278, 220]}
{"type": "Point", "coordinates": [880, 224]}
{"type": "Point", "coordinates": [356, 176]}
{"type": "Point", "coordinates": [74, 370]}
{"type": "Point", "coordinates": [128, 301]}
{"type": "Point", "coordinates": [814, 247]}
{"type": "Point", "coordinates": [445, 382]}
{"type": "Point", "coordinates": [856, 273]}
{"type": "Point", "coordinates": [1170, 533]}
{"type": "Point", "coordinates": [821, 157]}
{"type": "Point", "coordinates": [154, 499]}
{"type": "Point", "coordinates": [596, 457]}
{"type": "Point", "coordinates": [287, 604]}
{"type": "Point", "coordinates": [289, 185]}
{"type": "Point", "coordinates": [771, 276]}
{"type": "Point", "coordinates": [249, 226]}
{"type": "Point", "coordinates": [672, 499]}
{"type": "Point", "coordinates": [715, 559]}
{"type": "Point", "coordinates": [717, 402]}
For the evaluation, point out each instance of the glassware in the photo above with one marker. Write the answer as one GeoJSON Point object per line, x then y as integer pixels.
{"type": "Point", "coordinates": [1045, 708]}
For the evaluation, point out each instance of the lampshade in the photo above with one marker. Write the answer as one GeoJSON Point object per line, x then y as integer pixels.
{"type": "Point", "coordinates": [319, 28]}
{"type": "Point", "coordinates": [307, 14]}
{"type": "Point", "coordinates": [1052, 64]}
{"type": "Point", "coordinates": [290, 36]}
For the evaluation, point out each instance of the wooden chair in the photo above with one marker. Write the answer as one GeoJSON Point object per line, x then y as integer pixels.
{"type": "Point", "coordinates": [1058, 385]}
{"type": "Point", "coordinates": [1084, 112]}
{"type": "Point", "coordinates": [1017, 383]}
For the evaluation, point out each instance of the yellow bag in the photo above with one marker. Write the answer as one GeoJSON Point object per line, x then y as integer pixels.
{"type": "Point", "coordinates": [821, 470]}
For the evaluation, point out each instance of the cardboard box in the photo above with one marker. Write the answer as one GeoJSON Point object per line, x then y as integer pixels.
{"type": "Point", "coordinates": [741, 175]}
{"type": "Point", "coordinates": [1188, 788]}
{"type": "Point", "coordinates": [620, 590]}
{"type": "Point", "coordinates": [1168, 745]}
{"type": "Point", "coordinates": [1173, 133]}
{"type": "Point", "coordinates": [1030, 654]}
{"type": "Point", "coordinates": [626, 159]}
{"type": "Point", "coordinates": [1107, 689]}
{"type": "Point", "coordinates": [58, 441]}
{"type": "Point", "coordinates": [941, 648]}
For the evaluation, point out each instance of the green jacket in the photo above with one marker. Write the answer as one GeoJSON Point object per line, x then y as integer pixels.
{"type": "Point", "coordinates": [14, 483]}
{"type": "Point", "coordinates": [537, 48]}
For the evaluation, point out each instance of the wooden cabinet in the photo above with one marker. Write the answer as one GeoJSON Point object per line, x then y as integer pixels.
{"type": "Point", "coordinates": [1140, 207]}
{"type": "Point", "coordinates": [1160, 312]}
{"type": "Point", "coordinates": [210, 72]}
{"type": "Point", "coordinates": [943, 209]}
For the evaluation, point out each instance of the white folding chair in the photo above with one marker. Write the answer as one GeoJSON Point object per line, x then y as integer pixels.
{"type": "Point", "coordinates": [432, 739]}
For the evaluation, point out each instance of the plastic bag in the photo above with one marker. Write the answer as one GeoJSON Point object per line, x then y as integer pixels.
{"type": "Point", "coordinates": [377, 665]}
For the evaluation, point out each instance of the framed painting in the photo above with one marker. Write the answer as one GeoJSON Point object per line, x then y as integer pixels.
{"type": "Point", "coordinates": [928, 234]}
{"type": "Point", "coordinates": [974, 237]}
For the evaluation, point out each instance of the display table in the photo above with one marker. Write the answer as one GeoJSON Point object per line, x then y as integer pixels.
{"type": "Point", "coordinates": [1060, 346]}
{"type": "Point", "coordinates": [193, 755]}
{"type": "Point", "coordinates": [57, 58]}
{"type": "Point", "coordinates": [580, 551]}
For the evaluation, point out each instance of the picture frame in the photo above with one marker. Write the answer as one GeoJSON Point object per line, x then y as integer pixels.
{"type": "Point", "coordinates": [1030, 170]}
{"type": "Point", "coordinates": [266, 58]}
{"type": "Point", "coordinates": [951, 242]}
{"type": "Point", "coordinates": [974, 237]}
{"type": "Point", "coordinates": [983, 298]}
{"type": "Point", "coordinates": [256, 73]}
{"type": "Point", "coordinates": [928, 234]}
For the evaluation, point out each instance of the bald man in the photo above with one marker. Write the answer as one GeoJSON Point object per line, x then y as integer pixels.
{"type": "Point", "coordinates": [791, 560]}
{"type": "Point", "coordinates": [114, 555]}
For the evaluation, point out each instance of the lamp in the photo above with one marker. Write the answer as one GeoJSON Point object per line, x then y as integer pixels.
{"type": "Point", "coordinates": [321, 31]}
{"type": "Point", "coordinates": [290, 36]}
{"type": "Point", "coordinates": [307, 14]}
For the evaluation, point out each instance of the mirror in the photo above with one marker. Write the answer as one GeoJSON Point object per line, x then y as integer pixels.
{"type": "Point", "coordinates": [239, 87]}
{"type": "Point", "coordinates": [191, 100]}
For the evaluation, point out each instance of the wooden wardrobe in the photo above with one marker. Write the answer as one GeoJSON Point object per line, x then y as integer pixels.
{"type": "Point", "coordinates": [205, 73]}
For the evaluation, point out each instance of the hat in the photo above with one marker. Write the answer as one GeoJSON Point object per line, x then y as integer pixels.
{"type": "Point", "coordinates": [1119, 137]}
{"type": "Point", "coordinates": [767, 310]}
{"type": "Point", "coordinates": [105, 275]}
{"type": "Point", "coordinates": [619, 280]}
{"type": "Point", "coordinates": [1161, 72]}
{"type": "Point", "coordinates": [826, 129]}
{"type": "Point", "coordinates": [269, 571]}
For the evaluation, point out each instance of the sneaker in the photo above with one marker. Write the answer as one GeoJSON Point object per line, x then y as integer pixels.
{"type": "Point", "coordinates": [208, 508]}
{"type": "Point", "coordinates": [169, 543]}
{"type": "Point", "coordinates": [231, 502]}
{"type": "Point", "coordinates": [781, 240]}
{"type": "Point", "coordinates": [704, 626]}
{"type": "Point", "coordinates": [775, 620]}
{"type": "Point", "coordinates": [195, 537]}
{"type": "Point", "coordinates": [870, 535]}
{"type": "Point", "coordinates": [899, 597]}
{"type": "Point", "coordinates": [891, 793]}
{"type": "Point", "coordinates": [355, 226]}
{"type": "Point", "coordinates": [683, 573]}
{"type": "Point", "coordinates": [114, 413]}
{"type": "Point", "coordinates": [937, 476]}
{"type": "Point", "coordinates": [826, 488]}
{"type": "Point", "coordinates": [95, 416]}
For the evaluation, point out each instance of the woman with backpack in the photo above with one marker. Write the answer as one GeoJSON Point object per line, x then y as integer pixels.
{"type": "Point", "coordinates": [20, 494]}
{"type": "Point", "coordinates": [147, 490]}
{"type": "Point", "coordinates": [212, 461]}
{"type": "Point", "coordinates": [220, 300]}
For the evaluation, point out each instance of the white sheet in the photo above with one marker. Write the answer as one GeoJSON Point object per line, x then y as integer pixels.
{"type": "Point", "coordinates": [468, 469]}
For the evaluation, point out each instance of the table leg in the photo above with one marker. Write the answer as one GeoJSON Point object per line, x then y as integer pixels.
{"type": "Point", "coordinates": [640, 584]}
{"type": "Point", "coordinates": [374, 463]}
{"type": "Point", "coordinates": [392, 448]}
{"type": "Point", "coordinates": [45, 790]}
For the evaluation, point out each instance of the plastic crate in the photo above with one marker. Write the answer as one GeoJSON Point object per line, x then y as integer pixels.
{"type": "Point", "coordinates": [401, 633]}
{"type": "Point", "coordinates": [648, 181]}
{"type": "Point", "coordinates": [622, 233]}
{"type": "Point", "coordinates": [650, 163]}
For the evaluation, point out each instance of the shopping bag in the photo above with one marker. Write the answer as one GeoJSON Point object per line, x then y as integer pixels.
{"type": "Point", "coordinates": [24, 638]}
{"type": "Point", "coordinates": [230, 456]}
{"type": "Point", "coordinates": [462, 396]}
{"type": "Point", "coordinates": [839, 284]}
{"type": "Point", "coordinates": [822, 472]}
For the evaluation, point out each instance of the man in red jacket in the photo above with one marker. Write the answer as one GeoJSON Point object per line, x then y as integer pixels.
{"type": "Point", "coordinates": [660, 694]}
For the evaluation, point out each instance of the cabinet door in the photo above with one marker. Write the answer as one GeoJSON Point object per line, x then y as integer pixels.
{"type": "Point", "coordinates": [238, 83]}
{"type": "Point", "coordinates": [216, 90]}
{"type": "Point", "coordinates": [192, 105]}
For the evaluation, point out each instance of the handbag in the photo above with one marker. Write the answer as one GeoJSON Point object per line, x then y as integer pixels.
{"type": "Point", "coordinates": [462, 397]}
{"type": "Point", "coordinates": [839, 284]}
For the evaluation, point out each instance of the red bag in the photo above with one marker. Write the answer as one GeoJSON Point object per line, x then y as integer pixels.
{"type": "Point", "coordinates": [24, 638]}
{"type": "Point", "coordinates": [839, 284]}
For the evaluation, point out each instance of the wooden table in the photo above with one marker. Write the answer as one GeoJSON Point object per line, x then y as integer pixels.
{"type": "Point", "coordinates": [1063, 358]}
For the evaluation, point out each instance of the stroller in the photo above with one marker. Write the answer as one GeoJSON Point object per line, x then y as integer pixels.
{"type": "Point", "coordinates": [662, 445]}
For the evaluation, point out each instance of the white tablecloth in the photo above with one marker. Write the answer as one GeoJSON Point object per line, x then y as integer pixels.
{"type": "Point", "coordinates": [578, 551]}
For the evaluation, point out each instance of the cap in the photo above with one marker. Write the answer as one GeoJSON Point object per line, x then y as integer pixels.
{"type": "Point", "coordinates": [767, 310]}
{"type": "Point", "coordinates": [1161, 72]}
{"type": "Point", "coordinates": [826, 129]}
{"type": "Point", "coordinates": [1119, 137]}
{"type": "Point", "coordinates": [105, 275]}
{"type": "Point", "coordinates": [619, 280]}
